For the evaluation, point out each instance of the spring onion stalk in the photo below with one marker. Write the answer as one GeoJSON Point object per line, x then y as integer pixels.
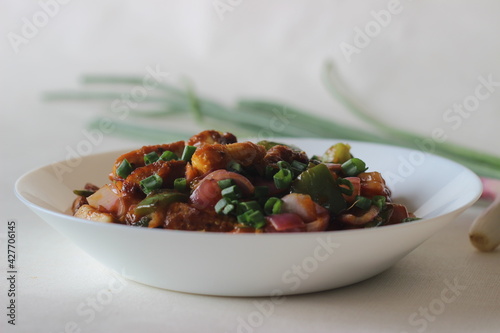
{"type": "Point", "coordinates": [337, 88]}
{"type": "Point", "coordinates": [251, 117]}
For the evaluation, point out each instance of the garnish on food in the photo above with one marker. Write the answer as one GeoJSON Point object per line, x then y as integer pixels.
{"type": "Point", "coordinates": [212, 182]}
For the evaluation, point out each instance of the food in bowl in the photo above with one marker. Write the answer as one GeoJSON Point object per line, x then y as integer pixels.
{"type": "Point", "coordinates": [212, 182]}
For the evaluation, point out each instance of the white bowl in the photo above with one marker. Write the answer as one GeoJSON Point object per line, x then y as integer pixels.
{"type": "Point", "coordinates": [265, 264]}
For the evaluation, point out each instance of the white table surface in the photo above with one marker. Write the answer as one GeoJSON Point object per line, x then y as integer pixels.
{"type": "Point", "coordinates": [429, 57]}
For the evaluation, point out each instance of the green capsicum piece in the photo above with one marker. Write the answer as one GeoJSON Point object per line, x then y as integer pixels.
{"type": "Point", "coordinates": [319, 183]}
{"type": "Point", "coordinates": [158, 201]}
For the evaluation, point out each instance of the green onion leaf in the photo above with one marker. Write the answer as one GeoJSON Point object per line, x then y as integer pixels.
{"type": "Point", "coordinates": [219, 206]}
{"type": "Point", "coordinates": [346, 191]}
{"type": "Point", "coordinates": [252, 218]}
{"type": "Point", "coordinates": [235, 167]}
{"type": "Point", "coordinates": [283, 179]}
{"type": "Point", "coordinates": [151, 158]}
{"type": "Point", "coordinates": [379, 201]}
{"type": "Point", "coordinates": [168, 156]}
{"type": "Point", "coordinates": [124, 169]}
{"type": "Point", "coordinates": [180, 184]}
{"type": "Point", "coordinates": [283, 165]}
{"type": "Point", "coordinates": [298, 167]}
{"type": "Point", "coordinates": [232, 192]}
{"type": "Point", "coordinates": [229, 208]}
{"type": "Point", "coordinates": [273, 206]}
{"type": "Point", "coordinates": [151, 183]}
{"type": "Point", "coordinates": [363, 202]}
{"type": "Point", "coordinates": [269, 172]}
{"type": "Point", "coordinates": [188, 153]}
{"type": "Point", "coordinates": [225, 183]}
{"type": "Point", "coordinates": [354, 167]}
{"type": "Point", "coordinates": [248, 205]}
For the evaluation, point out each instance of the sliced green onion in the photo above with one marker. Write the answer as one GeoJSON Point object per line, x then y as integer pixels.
{"type": "Point", "coordinates": [252, 218]}
{"type": "Point", "coordinates": [273, 206]}
{"type": "Point", "coordinates": [151, 158]}
{"type": "Point", "coordinates": [248, 205]}
{"type": "Point", "coordinates": [225, 183]}
{"type": "Point", "coordinates": [168, 156]}
{"type": "Point", "coordinates": [232, 192]}
{"type": "Point", "coordinates": [283, 179]}
{"type": "Point", "coordinates": [235, 167]}
{"type": "Point", "coordinates": [354, 167]}
{"type": "Point", "coordinates": [151, 183]}
{"type": "Point", "coordinates": [83, 193]}
{"type": "Point", "coordinates": [219, 206]}
{"type": "Point", "coordinates": [379, 201]}
{"type": "Point", "coordinates": [298, 167]}
{"type": "Point", "coordinates": [229, 208]}
{"type": "Point", "coordinates": [269, 172]}
{"type": "Point", "coordinates": [124, 169]}
{"type": "Point", "coordinates": [180, 184]}
{"type": "Point", "coordinates": [283, 165]}
{"type": "Point", "coordinates": [188, 153]}
{"type": "Point", "coordinates": [346, 191]}
{"type": "Point", "coordinates": [363, 202]}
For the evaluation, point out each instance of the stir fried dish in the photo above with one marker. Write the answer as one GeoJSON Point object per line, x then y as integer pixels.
{"type": "Point", "coordinates": [212, 182]}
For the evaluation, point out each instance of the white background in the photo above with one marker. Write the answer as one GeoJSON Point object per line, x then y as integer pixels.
{"type": "Point", "coordinates": [428, 57]}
